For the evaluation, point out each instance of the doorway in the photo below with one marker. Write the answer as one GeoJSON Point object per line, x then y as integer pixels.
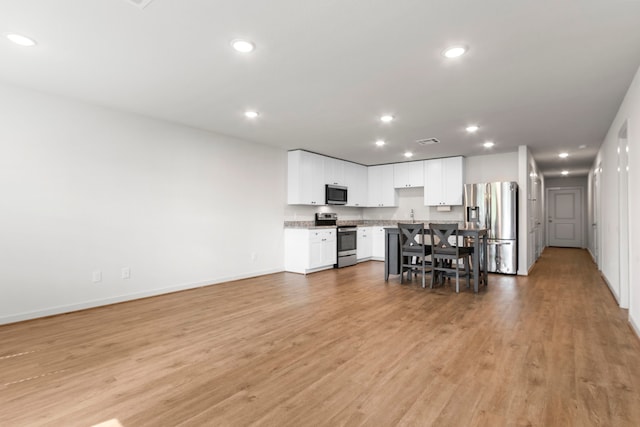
{"type": "Point", "coordinates": [564, 217]}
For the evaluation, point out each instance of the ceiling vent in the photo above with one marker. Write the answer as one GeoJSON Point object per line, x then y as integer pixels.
{"type": "Point", "coordinates": [140, 3]}
{"type": "Point", "coordinates": [428, 141]}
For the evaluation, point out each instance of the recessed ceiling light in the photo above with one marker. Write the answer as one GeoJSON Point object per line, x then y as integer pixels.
{"type": "Point", "coordinates": [489, 144]}
{"type": "Point", "coordinates": [380, 143]}
{"type": "Point", "coordinates": [408, 154]}
{"type": "Point", "coordinates": [472, 128]}
{"type": "Point", "coordinates": [243, 46]}
{"type": "Point", "coordinates": [454, 51]}
{"type": "Point", "coordinates": [565, 172]}
{"type": "Point", "coordinates": [387, 118]}
{"type": "Point", "coordinates": [583, 146]}
{"type": "Point", "coordinates": [251, 114]}
{"type": "Point", "coordinates": [563, 155]}
{"type": "Point", "coordinates": [20, 39]}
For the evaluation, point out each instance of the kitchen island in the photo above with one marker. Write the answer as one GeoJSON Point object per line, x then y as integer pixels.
{"type": "Point", "coordinates": [478, 236]}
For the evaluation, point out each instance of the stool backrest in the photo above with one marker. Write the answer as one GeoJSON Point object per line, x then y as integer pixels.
{"type": "Point", "coordinates": [440, 234]}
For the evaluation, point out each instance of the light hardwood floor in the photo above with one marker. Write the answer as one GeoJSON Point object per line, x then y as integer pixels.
{"type": "Point", "coordinates": [339, 347]}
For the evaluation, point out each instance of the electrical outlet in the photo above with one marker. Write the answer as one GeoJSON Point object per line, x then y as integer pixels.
{"type": "Point", "coordinates": [96, 276]}
{"type": "Point", "coordinates": [254, 256]}
{"type": "Point", "coordinates": [126, 273]}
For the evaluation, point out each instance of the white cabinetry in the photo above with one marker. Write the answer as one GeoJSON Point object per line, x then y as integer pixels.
{"type": "Point", "coordinates": [334, 171]}
{"type": "Point", "coordinates": [323, 251]}
{"type": "Point", "coordinates": [408, 175]}
{"type": "Point", "coordinates": [309, 250]}
{"type": "Point", "coordinates": [382, 192]}
{"type": "Point", "coordinates": [443, 181]}
{"type": "Point", "coordinates": [365, 243]}
{"type": "Point", "coordinates": [305, 180]}
{"type": "Point", "coordinates": [356, 181]}
{"type": "Point", "coordinates": [377, 247]}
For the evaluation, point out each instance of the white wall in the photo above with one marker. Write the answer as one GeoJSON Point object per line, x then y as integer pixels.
{"type": "Point", "coordinates": [531, 185]}
{"type": "Point", "coordinates": [85, 188]}
{"type": "Point", "coordinates": [491, 168]}
{"type": "Point", "coordinates": [608, 222]}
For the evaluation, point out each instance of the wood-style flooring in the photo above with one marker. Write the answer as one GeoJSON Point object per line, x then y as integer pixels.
{"type": "Point", "coordinates": [339, 347]}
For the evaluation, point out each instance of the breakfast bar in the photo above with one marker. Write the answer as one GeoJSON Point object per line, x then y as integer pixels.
{"type": "Point", "coordinates": [478, 236]}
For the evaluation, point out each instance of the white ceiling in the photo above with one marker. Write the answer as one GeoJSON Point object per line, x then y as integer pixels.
{"type": "Point", "coordinates": [544, 73]}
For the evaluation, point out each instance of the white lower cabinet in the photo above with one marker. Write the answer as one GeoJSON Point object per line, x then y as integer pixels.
{"type": "Point", "coordinates": [377, 247]}
{"type": "Point", "coordinates": [309, 250]}
{"type": "Point", "coordinates": [365, 243]}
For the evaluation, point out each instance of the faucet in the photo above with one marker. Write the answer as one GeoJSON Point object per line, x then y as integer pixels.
{"type": "Point", "coordinates": [413, 220]}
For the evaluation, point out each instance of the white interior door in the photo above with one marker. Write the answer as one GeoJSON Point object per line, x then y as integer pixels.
{"type": "Point", "coordinates": [594, 212]}
{"type": "Point", "coordinates": [565, 217]}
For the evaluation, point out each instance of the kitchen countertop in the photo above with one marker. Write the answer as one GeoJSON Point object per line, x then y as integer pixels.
{"type": "Point", "coordinates": [360, 223]}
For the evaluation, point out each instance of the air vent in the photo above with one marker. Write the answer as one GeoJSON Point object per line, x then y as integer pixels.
{"type": "Point", "coordinates": [140, 3]}
{"type": "Point", "coordinates": [428, 141]}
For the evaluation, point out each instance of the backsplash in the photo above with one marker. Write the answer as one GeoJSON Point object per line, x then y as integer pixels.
{"type": "Point", "coordinates": [408, 199]}
{"type": "Point", "coordinates": [307, 213]}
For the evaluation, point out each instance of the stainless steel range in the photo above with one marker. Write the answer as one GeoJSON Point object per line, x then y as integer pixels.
{"type": "Point", "coordinates": [347, 239]}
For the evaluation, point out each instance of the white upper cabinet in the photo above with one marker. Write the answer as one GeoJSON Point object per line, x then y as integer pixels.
{"type": "Point", "coordinates": [443, 181]}
{"type": "Point", "coordinates": [373, 186]}
{"type": "Point", "coordinates": [334, 172]}
{"type": "Point", "coordinates": [408, 175]}
{"type": "Point", "coordinates": [382, 192]}
{"type": "Point", "coordinates": [305, 180]}
{"type": "Point", "coordinates": [355, 177]}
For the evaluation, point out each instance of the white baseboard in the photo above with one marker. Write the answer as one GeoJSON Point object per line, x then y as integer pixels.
{"type": "Point", "coordinates": [126, 297]}
{"type": "Point", "coordinates": [634, 325]}
{"type": "Point", "coordinates": [613, 292]}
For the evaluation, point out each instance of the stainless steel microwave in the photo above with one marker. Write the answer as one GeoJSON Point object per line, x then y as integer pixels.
{"type": "Point", "coordinates": [336, 195]}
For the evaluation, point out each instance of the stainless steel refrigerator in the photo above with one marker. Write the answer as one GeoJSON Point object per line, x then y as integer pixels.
{"type": "Point", "coordinates": [494, 206]}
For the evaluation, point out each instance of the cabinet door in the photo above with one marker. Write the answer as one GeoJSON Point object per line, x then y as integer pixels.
{"type": "Point", "coordinates": [387, 189]}
{"type": "Point", "coordinates": [364, 244]}
{"type": "Point", "coordinates": [452, 180]}
{"type": "Point", "coordinates": [401, 175]}
{"type": "Point", "coordinates": [374, 185]}
{"type": "Point", "coordinates": [334, 171]}
{"type": "Point", "coordinates": [315, 164]}
{"type": "Point", "coordinates": [329, 249]}
{"type": "Point", "coordinates": [356, 181]}
{"type": "Point", "coordinates": [378, 243]}
{"type": "Point", "coordinates": [408, 175]}
{"type": "Point", "coordinates": [415, 174]}
{"type": "Point", "coordinates": [316, 252]}
{"type": "Point", "coordinates": [433, 182]}
{"type": "Point", "coordinates": [382, 192]}
{"type": "Point", "coordinates": [305, 179]}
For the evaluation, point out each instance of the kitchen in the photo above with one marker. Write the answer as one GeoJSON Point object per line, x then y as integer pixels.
{"type": "Point", "coordinates": [407, 199]}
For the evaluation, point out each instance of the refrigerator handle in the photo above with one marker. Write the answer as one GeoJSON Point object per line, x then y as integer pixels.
{"type": "Point", "coordinates": [487, 207]}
